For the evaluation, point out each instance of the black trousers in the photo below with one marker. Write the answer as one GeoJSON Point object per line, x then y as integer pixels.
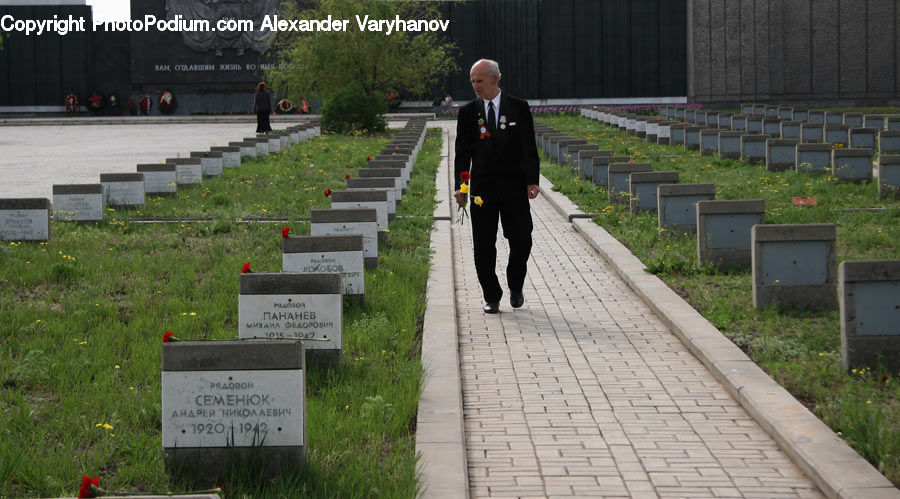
{"type": "Point", "coordinates": [262, 122]}
{"type": "Point", "coordinates": [515, 218]}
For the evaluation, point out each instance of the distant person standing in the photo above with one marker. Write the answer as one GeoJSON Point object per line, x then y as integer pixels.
{"type": "Point", "coordinates": [262, 106]}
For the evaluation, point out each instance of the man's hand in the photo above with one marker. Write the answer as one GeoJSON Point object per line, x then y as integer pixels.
{"type": "Point", "coordinates": [533, 191]}
{"type": "Point", "coordinates": [460, 198]}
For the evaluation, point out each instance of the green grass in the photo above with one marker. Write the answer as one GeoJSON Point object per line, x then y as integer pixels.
{"type": "Point", "coordinates": [84, 316]}
{"type": "Point", "coordinates": [800, 350]}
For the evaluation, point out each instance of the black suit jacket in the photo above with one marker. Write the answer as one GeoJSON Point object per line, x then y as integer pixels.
{"type": "Point", "coordinates": [504, 164]}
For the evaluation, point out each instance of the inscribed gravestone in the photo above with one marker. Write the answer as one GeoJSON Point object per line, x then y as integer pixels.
{"type": "Point", "coordinates": [78, 202]}
{"type": "Point", "coordinates": [211, 162]}
{"type": "Point", "coordinates": [25, 219]}
{"type": "Point", "coordinates": [160, 179]}
{"type": "Point", "coordinates": [225, 402]}
{"type": "Point", "coordinates": [324, 254]}
{"type": "Point", "coordinates": [349, 222]}
{"type": "Point", "coordinates": [123, 189]}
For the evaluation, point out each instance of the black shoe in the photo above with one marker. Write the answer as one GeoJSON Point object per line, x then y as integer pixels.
{"type": "Point", "coordinates": [516, 299]}
{"type": "Point", "coordinates": [492, 307]}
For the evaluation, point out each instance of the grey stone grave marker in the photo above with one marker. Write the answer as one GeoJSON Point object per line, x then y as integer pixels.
{"type": "Point", "coordinates": [875, 121]}
{"type": "Point", "coordinates": [80, 203]}
{"type": "Point", "coordinates": [759, 110]}
{"type": "Point", "coordinates": [690, 116]}
{"type": "Point", "coordinates": [851, 164]}
{"type": "Point", "coordinates": [573, 152]}
{"type": "Point", "coordinates": [274, 142]}
{"type": "Point", "coordinates": [723, 231]}
{"type": "Point", "coordinates": [287, 305]}
{"type": "Point", "coordinates": [618, 188]}
{"type": "Point", "coordinates": [814, 158]}
{"type": "Point", "coordinates": [794, 266]}
{"type": "Point", "coordinates": [262, 145]}
{"type": "Point", "coordinates": [395, 173]}
{"type": "Point", "coordinates": [24, 219]}
{"type": "Point", "coordinates": [231, 156]}
{"type": "Point", "coordinates": [248, 149]}
{"type": "Point", "coordinates": [747, 108]}
{"type": "Point", "coordinates": [227, 403]}
{"type": "Point", "coordinates": [123, 190]}
{"type": "Point", "coordinates": [679, 114]}
{"type": "Point", "coordinates": [869, 293]}
{"type": "Point", "coordinates": [383, 184]}
{"type": "Point", "coordinates": [376, 200]}
{"type": "Point", "coordinates": [399, 164]}
{"type": "Point", "coordinates": [643, 186]}
{"type": "Point", "coordinates": [561, 151]}
{"type": "Point", "coordinates": [755, 124]}
{"type": "Point", "coordinates": [888, 173]}
{"type": "Point", "coordinates": [771, 112]}
{"type": "Point", "coordinates": [159, 179]}
{"type": "Point", "coordinates": [600, 166]}
{"type": "Point", "coordinates": [834, 118]}
{"type": "Point", "coordinates": [692, 138]}
{"type": "Point", "coordinates": [187, 170]}
{"type": "Point", "coordinates": [772, 127]}
{"type": "Point", "coordinates": [701, 118]}
{"type": "Point", "coordinates": [328, 254]}
{"type": "Point", "coordinates": [362, 221]}
{"type": "Point", "coordinates": [800, 115]}
{"type": "Point", "coordinates": [652, 130]}
{"type": "Point", "coordinates": [785, 113]}
{"type": "Point", "coordinates": [677, 205]}
{"type": "Point", "coordinates": [664, 133]}
{"type": "Point", "coordinates": [837, 134]}
{"type": "Point", "coordinates": [545, 141]}
{"type": "Point", "coordinates": [892, 124]}
{"type": "Point", "coordinates": [709, 141]}
{"type": "Point", "coordinates": [816, 117]}
{"type": "Point", "coordinates": [812, 133]}
{"type": "Point", "coordinates": [753, 148]}
{"type": "Point", "coordinates": [678, 134]}
{"type": "Point", "coordinates": [586, 169]}
{"type": "Point", "coordinates": [712, 120]}
{"type": "Point", "coordinates": [853, 120]}
{"type": "Point", "coordinates": [739, 122]}
{"type": "Point", "coordinates": [889, 142]}
{"type": "Point", "coordinates": [790, 130]}
{"type": "Point", "coordinates": [781, 154]}
{"type": "Point", "coordinates": [862, 137]}
{"type": "Point", "coordinates": [211, 162]}
{"type": "Point", "coordinates": [730, 145]}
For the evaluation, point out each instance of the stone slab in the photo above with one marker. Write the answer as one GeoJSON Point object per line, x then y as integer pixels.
{"type": "Point", "coordinates": [78, 202]}
{"type": "Point", "coordinates": [24, 219]}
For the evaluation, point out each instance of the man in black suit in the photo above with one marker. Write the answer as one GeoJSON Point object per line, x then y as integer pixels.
{"type": "Point", "coordinates": [495, 135]}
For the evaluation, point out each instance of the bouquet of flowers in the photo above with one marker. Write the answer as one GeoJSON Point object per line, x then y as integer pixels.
{"type": "Point", "coordinates": [167, 103]}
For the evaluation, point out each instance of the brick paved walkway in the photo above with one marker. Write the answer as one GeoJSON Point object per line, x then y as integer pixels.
{"type": "Point", "coordinates": [584, 391]}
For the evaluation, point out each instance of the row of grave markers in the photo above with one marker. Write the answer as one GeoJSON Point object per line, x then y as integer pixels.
{"type": "Point", "coordinates": [807, 146]}
{"type": "Point", "coordinates": [793, 266]}
{"type": "Point", "coordinates": [28, 219]}
{"type": "Point", "coordinates": [226, 401]}
{"type": "Point", "coordinates": [287, 321]}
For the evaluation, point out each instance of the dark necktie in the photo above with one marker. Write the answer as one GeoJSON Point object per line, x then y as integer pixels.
{"type": "Point", "coordinates": [492, 118]}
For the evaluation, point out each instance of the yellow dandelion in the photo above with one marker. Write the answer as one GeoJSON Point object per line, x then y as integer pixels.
{"type": "Point", "coordinates": [193, 314]}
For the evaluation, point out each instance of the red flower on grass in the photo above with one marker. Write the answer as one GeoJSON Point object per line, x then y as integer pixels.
{"type": "Point", "coordinates": [89, 487]}
{"type": "Point", "coordinates": [465, 176]}
{"type": "Point", "coordinates": [284, 232]}
{"type": "Point", "coordinates": [368, 158]}
{"type": "Point", "coordinates": [347, 177]}
{"type": "Point", "coordinates": [169, 337]}
{"type": "Point", "coordinates": [327, 192]}
{"type": "Point", "coordinates": [246, 269]}
{"type": "Point", "coordinates": [884, 377]}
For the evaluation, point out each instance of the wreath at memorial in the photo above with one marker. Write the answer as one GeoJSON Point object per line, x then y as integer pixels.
{"type": "Point", "coordinates": [132, 108]}
{"type": "Point", "coordinates": [95, 102]}
{"type": "Point", "coordinates": [304, 106]}
{"type": "Point", "coordinates": [167, 103]}
{"type": "Point", "coordinates": [113, 101]}
{"type": "Point", "coordinates": [392, 98]}
{"type": "Point", "coordinates": [71, 103]}
{"type": "Point", "coordinates": [145, 105]}
{"type": "Point", "coordinates": [284, 106]}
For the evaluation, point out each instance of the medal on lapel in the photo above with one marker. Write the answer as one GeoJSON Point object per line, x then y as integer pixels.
{"type": "Point", "coordinates": [503, 122]}
{"type": "Point", "coordinates": [482, 129]}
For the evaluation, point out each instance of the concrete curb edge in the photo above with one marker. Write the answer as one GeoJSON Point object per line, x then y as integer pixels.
{"type": "Point", "coordinates": [832, 465]}
{"type": "Point", "coordinates": [440, 432]}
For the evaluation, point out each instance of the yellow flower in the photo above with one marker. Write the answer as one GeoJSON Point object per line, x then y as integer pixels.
{"type": "Point", "coordinates": [464, 188]}
{"type": "Point", "coordinates": [117, 366]}
{"type": "Point", "coordinates": [193, 313]}
{"type": "Point", "coordinates": [479, 201]}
